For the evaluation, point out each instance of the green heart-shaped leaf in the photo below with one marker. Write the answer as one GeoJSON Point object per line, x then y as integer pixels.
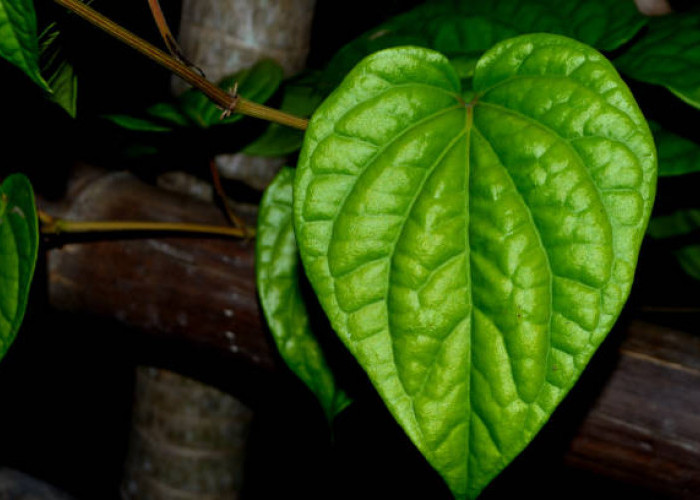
{"type": "Point", "coordinates": [472, 254]}
{"type": "Point", "coordinates": [19, 242]}
{"type": "Point", "coordinates": [277, 274]}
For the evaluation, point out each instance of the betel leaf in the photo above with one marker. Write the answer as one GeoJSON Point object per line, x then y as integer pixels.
{"type": "Point", "coordinates": [459, 27]}
{"type": "Point", "coordinates": [472, 255]}
{"type": "Point", "coordinates": [677, 155]}
{"type": "Point", "coordinates": [19, 242]}
{"type": "Point", "coordinates": [18, 38]}
{"type": "Point", "coordinates": [277, 274]}
{"type": "Point", "coordinates": [668, 54]}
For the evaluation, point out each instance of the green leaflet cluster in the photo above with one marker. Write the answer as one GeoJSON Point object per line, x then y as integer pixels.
{"type": "Point", "coordinates": [194, 109]}
{"type": "Point", "coordinates": [19, 242]}
{"type": "Point", "coordinates": [473, 254]}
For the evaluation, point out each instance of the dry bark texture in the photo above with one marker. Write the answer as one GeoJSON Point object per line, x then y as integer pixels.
{"type": "Point", "coordinates": [188, 440]}
{"type": "Point", "coordinates": [644, 428]}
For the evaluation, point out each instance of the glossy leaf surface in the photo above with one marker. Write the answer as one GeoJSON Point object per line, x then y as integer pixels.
{"type": "Point", "coordinates": [677, 155]}
{"type": "Point", "coordinates": [458, 27]}
{"type": "Point", "coordinates": [18, 38]}
{"type": "Point", "coordinates": [669, 55]}
{"type": "Point", "coordinates": [277, 274]}
{"type": "Point", "coordinates": [19, 242]}
{"type": "Point", "coordinates": [473, 254]}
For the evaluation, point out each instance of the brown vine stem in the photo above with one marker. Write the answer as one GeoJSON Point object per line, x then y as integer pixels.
{"type": "Point", "coordinates": [53, 226]}
{"type": "Point", "coordinates": [222, 98]}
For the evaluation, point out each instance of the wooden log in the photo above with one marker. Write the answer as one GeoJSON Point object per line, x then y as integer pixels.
{"type": "Point", "coordinates": [643, 429]}
{"type": "Point", "coordinates": [197, 290]}
{"type": "Point", "coordinates": [188, 440]}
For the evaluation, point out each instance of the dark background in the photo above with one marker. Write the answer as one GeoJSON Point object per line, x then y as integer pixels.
{"type": "Point", "coordinates": [66, 384]}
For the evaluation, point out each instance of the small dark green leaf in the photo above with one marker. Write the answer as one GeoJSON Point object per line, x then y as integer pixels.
{"type": "Point", "coordinates": [58, 71]}
{"type": "Point", "coordinates": [138, 124]}
{"type": "Point", "coordinates": [680, 223]}
{"type": "Point", "coordinates": [689, 259]}
{"type": "Point", "coordinates": [277, 271]}
{"type": "Point", "coordinates": [18, 38]}
{"type": "Point", "coordinates": [677, 155]}
{"type": "Point", "coordinates": [301, 98]}
{"type": "Point", "coordinates": [168, 113]}
{"type": "Point", "coordinates": [257, 83]}
{"type": "Point", "coordinates": [161, 117]}
{"type": "Point", "coordinates": [472, 255]}
{"type": "Point", "coordinates": [668, 54]}
{"type": "Point", "coordinates": [19, 243]}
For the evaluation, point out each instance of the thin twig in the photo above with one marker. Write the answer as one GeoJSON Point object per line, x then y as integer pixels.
{"type": "Point", "coordinates": [53, 226]}
{"type": "Point", "coordinates": [216, 94]}
{"type": "Point", "coordinates": [167, 35]}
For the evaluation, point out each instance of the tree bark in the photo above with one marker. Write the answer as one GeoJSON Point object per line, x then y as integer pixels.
{"type": "Point", "coordinates": [188, 440]}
